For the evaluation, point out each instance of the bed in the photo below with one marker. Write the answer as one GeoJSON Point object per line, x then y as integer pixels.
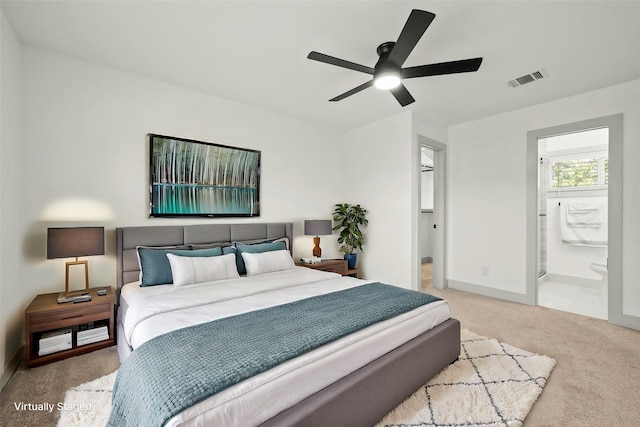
{"type": "Point", "coordinates": [354, 381]}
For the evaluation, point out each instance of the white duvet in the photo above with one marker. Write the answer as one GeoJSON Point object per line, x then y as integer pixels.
{"type": "Point", "coordinates": [152, 311]}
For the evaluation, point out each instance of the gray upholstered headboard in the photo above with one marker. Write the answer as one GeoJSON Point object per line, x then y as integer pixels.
{"type": "Point", "coordinates": [128, 238]}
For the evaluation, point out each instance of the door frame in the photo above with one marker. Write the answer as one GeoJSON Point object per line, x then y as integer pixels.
{"type": "Point", "coordinates": [439, 210]}
{"type": "Point", "coordinates": [615, 289]}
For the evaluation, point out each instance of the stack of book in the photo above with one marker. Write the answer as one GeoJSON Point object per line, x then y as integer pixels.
{"type": "Point", "coordinates": [54, 341]}
{"type": "Point", "coordinates": [92, 335]}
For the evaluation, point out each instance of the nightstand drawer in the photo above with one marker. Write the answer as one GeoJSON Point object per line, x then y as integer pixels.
{"type": "Point", "coordinates": [337, 268]}
{"type": "Point", "coordinates": [68, 317]}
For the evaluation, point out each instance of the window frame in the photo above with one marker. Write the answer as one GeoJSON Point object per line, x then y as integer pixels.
{"type": "Point", "coordinates": [602, 156]}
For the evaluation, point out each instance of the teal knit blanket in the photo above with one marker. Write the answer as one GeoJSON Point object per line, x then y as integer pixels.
{"type": "Point", "coordinates": [174, 371]}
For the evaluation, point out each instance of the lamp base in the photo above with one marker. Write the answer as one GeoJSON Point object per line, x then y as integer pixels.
{"type": "Point", "coordinates": [317, 252]}
{"type": "Point", "coordinates": [86, 277]}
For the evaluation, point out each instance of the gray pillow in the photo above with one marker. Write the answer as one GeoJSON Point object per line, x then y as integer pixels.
{"type": "Point", "coordinates": [209, 245]}
{"type": "Point", "coordinates": [155, 267]}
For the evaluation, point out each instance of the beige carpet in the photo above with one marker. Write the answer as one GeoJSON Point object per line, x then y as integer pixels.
{"type": "Point", "coordinates": [48, 383]}
{"type": "Point", "coordinates": [596, 381]}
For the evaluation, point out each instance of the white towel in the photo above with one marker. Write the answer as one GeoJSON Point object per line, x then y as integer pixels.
{"type": "Point", "coordinates": [584, 224]}
{"type": "Point", "coordinates": [584, 214]}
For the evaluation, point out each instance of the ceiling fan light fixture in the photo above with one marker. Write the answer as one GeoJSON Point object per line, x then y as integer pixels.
{"type": "Point", "coordinates": [388, 72]}
{"type": "Point", "coordinates": [387, 80]}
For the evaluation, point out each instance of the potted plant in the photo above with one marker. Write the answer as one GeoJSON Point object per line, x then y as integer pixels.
{"type": "Point", "coordinates": [348, 220]}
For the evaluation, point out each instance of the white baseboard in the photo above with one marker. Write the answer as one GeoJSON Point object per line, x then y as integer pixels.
{"type": "Point", "coordinates": [488, 292]}
{"type": "Point", "coordinates": [11, 367]}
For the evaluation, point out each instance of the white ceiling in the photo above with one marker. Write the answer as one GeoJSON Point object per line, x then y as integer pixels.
{"type": "Point", "coordinates": [255, 52]}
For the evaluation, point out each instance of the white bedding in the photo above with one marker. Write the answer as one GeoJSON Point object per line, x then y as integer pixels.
{"type": "Point", "coordinates": [152, 311]}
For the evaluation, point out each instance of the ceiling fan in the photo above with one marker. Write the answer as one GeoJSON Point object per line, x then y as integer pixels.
{"type": "Point", "coordinates": [388, 72]}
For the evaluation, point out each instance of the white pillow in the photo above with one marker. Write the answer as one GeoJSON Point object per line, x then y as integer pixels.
{"type": "Point", "coordinates": [267, 262]}
{"type": "Point", "coordinates": [189, 270]}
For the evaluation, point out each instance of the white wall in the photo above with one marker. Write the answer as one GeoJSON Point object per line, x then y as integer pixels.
{"type": "Point", "coordinates": [85, 158]}
{"type": "Point", "coordinates": [383, 161]}
{"type": "Point", "coordinates": [435, 131]}
{"type": "Point", "coordinates": [487, 189]}
{"type": "Point", "coordinates": [11, 285]}
{"type": "Point", "coordinates": [486, 204]}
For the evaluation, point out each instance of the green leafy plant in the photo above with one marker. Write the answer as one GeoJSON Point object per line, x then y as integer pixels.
{"type": "Point", "coordinates": [348, 220]}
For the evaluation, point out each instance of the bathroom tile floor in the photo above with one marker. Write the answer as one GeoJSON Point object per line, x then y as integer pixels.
{"type": "Point", "coordinates": [584, 300]}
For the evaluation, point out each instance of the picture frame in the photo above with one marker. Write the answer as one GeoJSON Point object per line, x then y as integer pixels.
{"type": "Point", "coordinates": [196, 178]}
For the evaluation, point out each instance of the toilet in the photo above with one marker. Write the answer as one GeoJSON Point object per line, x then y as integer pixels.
{"type": "Point", "coordinates": [601, 269]}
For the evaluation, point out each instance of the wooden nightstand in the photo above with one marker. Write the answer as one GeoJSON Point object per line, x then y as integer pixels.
{"type": "Point", "coordinates": [332, 265]}
{"type": "Point", "coordinates": [44, 314]}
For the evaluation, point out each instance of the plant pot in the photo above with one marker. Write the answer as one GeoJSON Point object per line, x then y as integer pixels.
{"type": "Point", "coordinates": [351, 260]}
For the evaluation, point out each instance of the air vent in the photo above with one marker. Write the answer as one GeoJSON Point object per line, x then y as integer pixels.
{"type": "Point", "coordinates": [528, 78]}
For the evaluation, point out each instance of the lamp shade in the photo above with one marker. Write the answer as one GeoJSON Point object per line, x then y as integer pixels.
{"type": "Point", "coordinates": [317, 227]}
{"type": "Point", "coordinates": [74, 242]}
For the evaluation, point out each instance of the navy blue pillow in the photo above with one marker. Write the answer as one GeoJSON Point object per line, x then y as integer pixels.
{"type": "Point", "coordinates": [254, 249]}
{"type": "Point", "coordinates": [155, 266]}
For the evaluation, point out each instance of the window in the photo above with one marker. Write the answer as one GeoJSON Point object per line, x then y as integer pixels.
{"type": "Point", "coordinates": [590, 170]}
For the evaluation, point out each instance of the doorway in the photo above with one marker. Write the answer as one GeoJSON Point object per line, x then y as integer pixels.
{"type": "Point", "coordinates": [432, 214]}
{"type": "Point", "coordinates": [614, 290]}
{"type": "Point", "coordinates": [573, 222]}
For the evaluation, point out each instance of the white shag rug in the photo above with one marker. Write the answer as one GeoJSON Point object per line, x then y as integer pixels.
{"type": "Point", "coordinates": [492, 384]}
{"type": "Point", "coordinates": [88, 404]}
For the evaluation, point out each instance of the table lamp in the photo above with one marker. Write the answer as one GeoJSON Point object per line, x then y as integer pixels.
{"type": "Point", "coordinates": [317, 228]}
{"type": "Point", "coordinates": [75, 242]}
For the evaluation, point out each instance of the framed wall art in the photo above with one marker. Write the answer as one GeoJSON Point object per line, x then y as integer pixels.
{"type": "Point", "coordinates": [194, 178]}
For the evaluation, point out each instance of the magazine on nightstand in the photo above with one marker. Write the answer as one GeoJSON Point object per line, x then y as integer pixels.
{"type": "Point", "coordinates": [54, 341]}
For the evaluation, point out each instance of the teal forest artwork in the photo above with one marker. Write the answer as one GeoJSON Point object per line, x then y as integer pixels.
{"type": "Point", "coordinates": [203, 179]}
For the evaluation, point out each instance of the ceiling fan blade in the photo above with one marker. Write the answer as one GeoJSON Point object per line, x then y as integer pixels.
{"type": "Point", "coordinates": [416, 25]}
{"type": "Point", "coordinates": [321, 57]}
{"type": "Point", "coordinates": [353, 91]}
{"type": "Point", "coordinates": [402, 95]}
{"type": "Point", "coordinates": [452, 67]}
